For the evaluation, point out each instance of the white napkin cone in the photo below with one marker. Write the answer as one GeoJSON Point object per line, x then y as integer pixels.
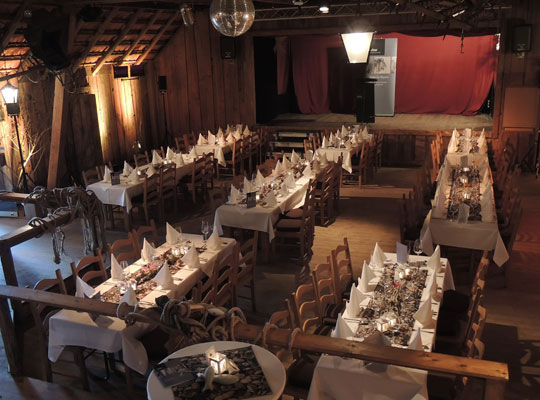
{"type": "Point", "coordinates": [156, 158]}
{"type": "Point", "coordinates": [150, 171]}
{"type": "Point", "coordinates": [83, 288]}
{"type": "Point", "coordinates": [191, 258]}
{"type": "Point", "coordinates": [348, 145]}
{"type": "Point", "coordinates": [133, 177]}
{"type": "Point", "coordinates": [332, 138]}
{"type": "Point", "coordinates": [377, 260]}
{"type": "Point", "coordinates": [211, 138]}
{"type": "Point", "coordinates": [234, 196]}
{"type": "Point", "coordinates": [170, 154]}
{"type": "Point", "coordinates": [172, 235]}
{"type": "Point", "coordinates": [295, 159]}
{"type": "Point", "coordinates": [322, 159]}
{"type": "Point", "coordinates": [220, 132]}
{"type": "Point", "coordinates": [463, 213]}
{"type": "Point", "coordinates": [202, 140]}
{"type": "Point", "coordinates": [230, 138]}
{"type": "Point", "coordinates": [116, 270]}
{"type": "Point", "coordinates": [309, 155]}
{"type": "Point", "coordinates": [106, 174]}
{"type": "Point", "coordinates": [307, 171]}
{"type": "Point", "coordinates": [127, 169]}
{"type": "Point", "coordinates": [164, 277]}
{"type": "Point", "coordinates": [286, 163]}
{"type": "Point", "coordinates": [278, 169]}
{"type": "Point", "coordinates": [354, 139]}
{"type": "Point", "coordinates": [129, 297]}
{"type": "Point", "coordinates": [367, 275]}
{"type": "Point", "coordinates": [289, 181]}
{"type": "Point", "coordinates": [353, 305]}
{"type": "Point", "coordinates": [486, 205]}
{"type": "Point", "coordinates": [377, 338]}
{"type": "Point", "coordinates": [431, 287]}
{"type": "Point", "coordinates": [284, 191]}
{"type": "Point", "coordinates": [324, 143]}
{"type": "Point", "coordinates": [270, 199]}
{"type": "Point", "coordinates": [342, 331]}
{"type": "Point", "coordinates": [179, 160]}
{"type": "Point", "coordinates": [237, 135]}
{"type": "Point", "coordinates": [147, 251]}
{"type": "Point", "coordinates": [259, 179]}
{"type": "Point", "coordinates": [316, 166]}
{"type": "Point", "coordinates": [247, 186]}
{"type": "Point", "coordinates": [221, 140]}
{"type": "Point", "coordinates": [213, 241]}
{"type": "Point", "coordinates": [434, 262]}
{"type": "Point", "coordinates": [424, 315]}
{"type": "Point", "coordinates": [246, 131]}
{"type": "Point", "coordinates": [193, 153]}
{"type": "Point", "coordinates": [365, 133]}
{"type": "Point", "coordinates": [416, 341]}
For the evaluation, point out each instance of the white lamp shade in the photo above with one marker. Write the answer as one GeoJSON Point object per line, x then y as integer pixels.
{"type": "Point", "coordinates": [10, 93]}
{"type": "Point", "coordinates": [357, 46]}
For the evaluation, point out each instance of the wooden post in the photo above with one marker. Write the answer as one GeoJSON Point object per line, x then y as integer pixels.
{"type": "Point", "coordinates": [56, 133]}
{"type": "Point", "coordinates": [494, 389]}
{"type": "Point", "coordinates": [9, 338]}
{"type": "Point", "coordinates": [9, 267]}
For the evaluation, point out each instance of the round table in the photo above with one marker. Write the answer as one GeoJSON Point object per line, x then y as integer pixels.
{"type": "Point", "coordinates": [270, 364]}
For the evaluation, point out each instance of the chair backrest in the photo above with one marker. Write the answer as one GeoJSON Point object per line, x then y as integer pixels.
{"type": "Point", "coordinates": [41, 312]}
{"type": "Point", "coordinates": [189, 140]}
{"type": "Point", "coordinates": [180, 145]}
{"type": "Point", "coordinates": [247, 257]}
{"type": "Point", "coordinates": [477, 328]}
{"type": "Point", "coordinates": [141, 159]}
{"type": "Point", "coordinates": [209, 166]}
{"type": "Point", "coordinates": [218, 196]}
{"type": "Point", "coordinates": [167, 181]}
{"type": "Point", "coordinates": [323, 280]}
{"type": "Point", "coordinates": [305, 306]}
{"type": "Point", "coordinates": [151, 189]}
{"type": "Point", "coordinates": [90, 176]}
{"type": "Point", "coordinates": [225, 276]}
{"type": "Point", "coordinates": [125, 249]}
{"type": "Point", "coordinates": [149, 232]}
{"type": "Point", "coordinates": [197, 172]}
{"type": "Point", "coordinates": [205, 290]}
{"type": "Point", "coordinates": [89, 262]}
{"type": "Point", "coordinates": [342, 267]}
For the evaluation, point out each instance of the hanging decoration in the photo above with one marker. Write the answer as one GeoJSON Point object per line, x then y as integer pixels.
{"type": "Point", "coordinates": [232, 17]}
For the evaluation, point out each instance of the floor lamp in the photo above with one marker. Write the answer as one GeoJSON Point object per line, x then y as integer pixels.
{"type": "Point", "coordinates": [10, 94]}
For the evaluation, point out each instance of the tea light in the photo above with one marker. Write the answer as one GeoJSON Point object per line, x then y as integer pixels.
{"type": "Point", "coordinates": [258, 197]}
{"type": "Point", "coordinates": [218, 362]}
{"type": "Point", "coordinates": [407, 271]}
{"type": "Point", "coordinates": [464, 180]}
{"type": "Point", "coordinates": [466, 195]}
{"type": "Point", "coordinates": [401, 275]}
{"type": "Point", "coordinates": [392, 321]}
{"type": "Point", "coordinates": [465, 169]}
{"type": "Point", "coordinates": [176, 252]}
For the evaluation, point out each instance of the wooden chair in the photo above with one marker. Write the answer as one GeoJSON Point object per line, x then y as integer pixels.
{"type": "Point", "coordinates": [150, 197]}
{"type": "Point", "coordinates": [90, 176]}
{"type": "Point", "coordinates": [167, 188]}
{"type": "Point", "coordinates": [322, 195]}
{"type": "Point", "coordinates": [246, 269]}
{"type": "Point", "coordinates": [336, 186]}
{"type": "Point", "coordinates": [197, 179]}
{"type": "Point", "coordinates": [342, 269]}
{"type": "Point", "coordinates": [141, 159]}
{"type": "Point", "coordinates": [100, 169]}
{"type": "Point", "coordinates": [88, 263]}
{"type": "Point", "coordinates": [181, 145]}
{"type": "Point", "coordinates": [125, 249]}
{"type": "Point", "coordinates": [149, 232]}
{"type": "Point", "coordinates": [234, 161]}
{"type": "Point", "coordinates": [298, 231]}
{"type": "Point", "coordinates": [205, 290]}
{"type": "Point", "coordinates": [209, 170]}
{"type": "Point", "coordinates": [189, 141]}
{"type": "Point", "coordinates": [329, 303]}
{"type": "Point", "coordinates": [41, 314]}
{"type": "Point", "coordinates": [308, 199]}
{"type": "Point", "coordinates": [225, 273]}
{"type": "Point", "coordinates": [305, 308]}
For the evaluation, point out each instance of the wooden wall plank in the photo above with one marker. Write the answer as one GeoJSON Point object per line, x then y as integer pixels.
{"type": "Point", "coordinates": [194, 104]}
{"type": "Point", "coordinates": [204, 64]}
{"type": "Point", "coordinates": [220, 115]}
{"type": "Point", "coordinates": [56, 134]}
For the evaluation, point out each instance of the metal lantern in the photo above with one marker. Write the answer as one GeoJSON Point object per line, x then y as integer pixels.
{"type": "Point", "coordinates": [232, 17]}
{"type": "Point", "coordinates": [10, 94]}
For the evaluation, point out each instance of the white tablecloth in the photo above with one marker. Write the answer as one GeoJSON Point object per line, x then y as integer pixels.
{"type": "Point", "coordinates": [352, 379]}
{"type": "Point", "coordinates": [72, 328]}
{"type": "Point", "coordinates": [219, 151]}
{"type": "Point", "coordinates": [260, 218]}
{"type": "Point", "coordinates": [466, 146]}
{"type": "Point", "coordinates": [121, 195]}
{"type": "Point", "coordinates": [270, 364]}
{"type": "Point", "coordinates": [333, 154]}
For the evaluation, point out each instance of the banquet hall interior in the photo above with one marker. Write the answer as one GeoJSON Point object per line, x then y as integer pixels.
{"type": "Point", "coordinates": [269, 199]}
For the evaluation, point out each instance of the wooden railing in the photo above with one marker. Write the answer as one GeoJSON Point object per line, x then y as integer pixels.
{"type": "Point", "coordinates": [494, 374]}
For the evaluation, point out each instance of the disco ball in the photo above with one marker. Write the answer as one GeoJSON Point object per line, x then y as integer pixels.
{"type": "Point", "coordinates": [232, 17]}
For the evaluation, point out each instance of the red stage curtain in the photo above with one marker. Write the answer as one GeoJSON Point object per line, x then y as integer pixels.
{"type": "Point", "coordinates": [433, 76]}
{"type": "Point", "coordinates": [283, 62]}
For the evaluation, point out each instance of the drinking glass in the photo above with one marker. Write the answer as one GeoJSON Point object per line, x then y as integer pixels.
{"type": "Point", "coordinates": [417, 248]}
{"type": "Point", "coordinates": [205, 228]}
{"type": "Point", "coordinates": [124, 265]}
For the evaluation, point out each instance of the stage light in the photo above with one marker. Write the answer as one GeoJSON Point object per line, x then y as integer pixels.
{"type": "Point", "coordinates": [357, 46]}
{"type": "Point", "coordinates": [324, 7]}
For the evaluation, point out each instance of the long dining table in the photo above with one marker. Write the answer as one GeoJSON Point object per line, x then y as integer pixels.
{"type": "Point", "coordinates": [109, 334]}
{"type": "Point", "coordinates": [351, 379]}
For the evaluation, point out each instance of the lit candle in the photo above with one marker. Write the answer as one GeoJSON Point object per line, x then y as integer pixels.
{"type": "Point", "coordinates": [218, 362]}
{"type": "Point", "coordinates": [407, 271]}
{"type": "Point", "coordinates": [176, 252]}
{"type": "Point", "coordinates": [392, 321]}
{"type": "Point", "coordinates": [401, 275]}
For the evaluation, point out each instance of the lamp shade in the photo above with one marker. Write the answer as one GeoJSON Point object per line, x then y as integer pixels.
{"type": "Point", "coordinates": [10, 95]}
{"type": "Point", "coordinates": [232, 17]}
{"type": "Point", "coordinates": [357, 46]}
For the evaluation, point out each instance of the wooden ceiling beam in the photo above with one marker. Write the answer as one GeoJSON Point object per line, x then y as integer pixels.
{"type": "Point", "coordinates": [95, 38]}
{"type": "Point", "coordinates": [13, 26]}
{"type": "Point", "coordinates": [139, 37]}
{"type": "Point", "coordinates": [433, 14]}
{"type": "Point", "coordinates": [117, 41]}
{"type": "Point", "coordinates": [155, 39]}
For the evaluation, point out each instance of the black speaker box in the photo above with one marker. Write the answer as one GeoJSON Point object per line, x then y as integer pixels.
{"type": "Point", "coordinates": [228, 49]}
{"type": "Point", "coordinates": [365, 101]}
{"type": "Point", "coordinates": [521, 38]}
{"type": "Point", "coordinates": [162, 83]}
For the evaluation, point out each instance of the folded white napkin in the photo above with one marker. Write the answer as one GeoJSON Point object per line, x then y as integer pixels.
{"type": "Point", "coordinates": [83, 289]}
{"type": "Point", "coordinates": [337, 142]}
{"type": "Point", "coordinates": [259, 179]}
{"type": "Point", "coordinates": [193, 153]}
{"type": "Point", "coordinates": [332, 138]}
{"type": "Point", "coordinates": [278, 169]}
{"type": "Point", "coordinates": [147, 251]}
{"type": "Point", "coordinates": [316, 166]}
{"type": "Point", "coordinates": [156, 158]}
{"type": "Point", "coordinates": [220, 132]}
{"type": "Point", "coordinates": [353, 306]}
{"type": "Point", "coordinates": [284, 191]}
{"type": "Point", "coordinates": [270, 199]}
{"type": "Point", "coordinates": [486, 203]}
{"type": "Point", "coordinates": [127, 169]}
{"type": "Point", "coordinates": [172, 235]}
{"type": "Point", "coordinates": [307, 171]}
{"type": "Point", "coordinates": [170, 154]}
{"type": "Point", "coordinates": [202, 140]}
{"type": "Point", "coordinates": [246, 131]}
{"type": "Point", "coordinates": [424, 314]}
{"type": "Point", "coordinates": [164, 277]}
{"type": "Point", "coordinates": [230, 138]}
{"type": "Point", "coordinates": [364, 281]}
{"type": "Point", "coordinates": [150, 171]}
{"type": "Point", "coordinates": [463, 213]}
{"type": "Point", "coordinates": [402, 253]}
{"type": "Point", "coordinates": [434, 262]}
{"type": "Point", "coordinates": [116, 270]}
{"type": "Point", "coordinates": [133, 176]}
{"type": "Point", "coordinates": [221, 140]}
{"type": "Point", "coordinates": [354, 139]}
{"type": "Point", "coordinates": [377, 338]}
{"type": "Point", "coordinates": [348, 145]}
{"type": "Point", "coordinates": [234, 197]}
{"type": "Point", "coordinates": [213, 241]}
{"type": "Point", "coordinates": [431, 287]}
{"type": "Point", "coordinates": [324, 143]}
{"type": "Point", "coordinates": [247, 186]}
{"type": "Point", "coordinates": [365, 133]}
{"type": "Point", "coordinates": [179, 160]}
{"type": "Point", "coordinates": [309, 155]}
{"type": "Point", "coordinates": [322, 159]}
{"type": "Point", "coordinates": [344, 131]}
{"type": "Point", "coordinates": [342, 331]}
{"type": "Point", "coordinates": [295, 159]}
{"type": "Point", "coordinates": [211, 138]}
{"type": "Point", "coordinates": [237, 134]}
{"type": "Point", "coordinates": [416, 341]}
{"type": "Point", "coordinates": [286, 163]}
{"type": "Point", "coordinates": [289, 181]}
{"type": "Point", "coordinates": [191, 258]}
{"type": "Point", "coordinates": [106, 174]}
{"type": "Point", "coordinates": [129, 297]}
{"type": "Point", "coordinates": [378, 257]}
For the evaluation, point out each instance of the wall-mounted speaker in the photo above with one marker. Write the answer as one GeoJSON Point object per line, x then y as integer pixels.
{"type": "Point", "coordinates": [162, 83]}
{"type": "Point", "coordinates": [228, 49]}
{"type": "Point", "coordinates": [521, 38]}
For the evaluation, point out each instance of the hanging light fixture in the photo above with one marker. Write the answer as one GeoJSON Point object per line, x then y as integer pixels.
{"type": "Point", "coordinates": [357, 46]}
{"type": "Point", "coordinates": [232, 17]}
{"type": "Point", "coordinates": [187, 14]}
{"type": "Point", "coordinates": [324, 6]}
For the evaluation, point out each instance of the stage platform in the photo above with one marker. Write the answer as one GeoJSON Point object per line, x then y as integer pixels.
{"type": "Point", "coordinates": [403, 122]}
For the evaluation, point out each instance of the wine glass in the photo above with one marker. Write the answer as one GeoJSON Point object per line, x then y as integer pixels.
{"type": "Point", "coordinates": [124, 265]}
{"type": "Point", "coordinates": [417, 248]}
{"type": "Point", "coordinates": [205, 228]}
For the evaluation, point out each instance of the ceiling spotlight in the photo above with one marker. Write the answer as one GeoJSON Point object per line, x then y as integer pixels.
{"type": "Point", "coordinates": [324, 6]}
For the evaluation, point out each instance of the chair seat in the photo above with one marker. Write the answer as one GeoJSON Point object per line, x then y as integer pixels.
{"type": "Point", "coordinates": [289, 225]}
{"type": "Point", "coordinates": [295, 213]}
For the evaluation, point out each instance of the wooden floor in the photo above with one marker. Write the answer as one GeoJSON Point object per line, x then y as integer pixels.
{"type": "Point", "coordinates": [367, 215]}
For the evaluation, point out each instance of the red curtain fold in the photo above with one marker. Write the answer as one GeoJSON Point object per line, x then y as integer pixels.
{"type": "Point", "coordinates": [432, 75]}
{"type": "Point", "coordinates": [283, 63]}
